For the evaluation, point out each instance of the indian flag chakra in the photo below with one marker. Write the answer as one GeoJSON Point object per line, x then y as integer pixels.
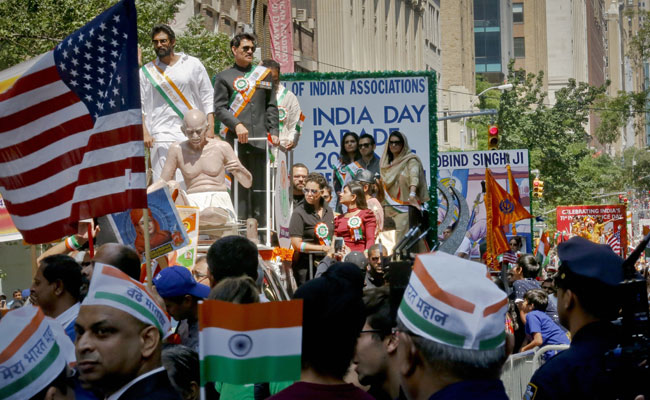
{"type": "Point", "coordinates": [250, 343]}
{"type": "Point", "coordinates": [440, 305]}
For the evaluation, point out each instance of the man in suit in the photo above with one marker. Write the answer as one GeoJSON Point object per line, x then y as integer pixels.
{"type": "Point", "coordinates": [245, 105]}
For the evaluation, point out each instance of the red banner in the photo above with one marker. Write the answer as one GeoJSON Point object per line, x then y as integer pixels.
{"type": "Point", "coordinates": [601, 224]}
{"type": "Point", "coordinates": [281, 30]}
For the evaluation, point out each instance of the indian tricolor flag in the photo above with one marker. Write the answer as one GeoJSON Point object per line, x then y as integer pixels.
{"type": "Point", "coordinates": [543, 246]}
{"type": "Point", "coordinates": [250, 343]}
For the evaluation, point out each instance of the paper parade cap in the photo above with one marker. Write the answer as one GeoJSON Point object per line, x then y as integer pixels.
{"type": "Point", "coordinates": [113, 288]}
{"type": "Point", "coordinates": [32, 354]}
{"type": "Point", "coordinates": [452, 301]}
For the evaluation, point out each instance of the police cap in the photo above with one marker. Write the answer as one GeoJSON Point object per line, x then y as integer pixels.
{"type": "Point", "coordinates": [585, 258]}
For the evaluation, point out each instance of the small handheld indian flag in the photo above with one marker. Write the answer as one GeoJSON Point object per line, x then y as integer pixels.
{"type": "Point", "coordinates": [250, 343]}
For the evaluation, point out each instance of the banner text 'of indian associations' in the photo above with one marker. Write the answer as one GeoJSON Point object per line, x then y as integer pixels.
{"type": "Point", "coordinates": [334, 104]}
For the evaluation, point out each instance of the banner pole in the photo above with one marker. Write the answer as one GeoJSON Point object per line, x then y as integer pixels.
{"type": "Point", "coordinates": [147, 244]}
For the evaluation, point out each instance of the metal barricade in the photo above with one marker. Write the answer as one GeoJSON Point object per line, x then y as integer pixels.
{"type": "Point", "coordinates": [520, 367]}
{"type": "Point", "coordinates": [517, 372]}
{"type": "Point", "coordinates": [268, 195]}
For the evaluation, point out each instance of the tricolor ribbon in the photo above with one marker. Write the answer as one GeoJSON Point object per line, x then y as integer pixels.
{"type": "Point", "coordinates": [322, 233]}
{"type": "Point", "coordinates": [354, 225]}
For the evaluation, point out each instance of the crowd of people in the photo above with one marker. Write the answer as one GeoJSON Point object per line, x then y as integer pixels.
{"type": "Point", "coordinates": [88, 328]}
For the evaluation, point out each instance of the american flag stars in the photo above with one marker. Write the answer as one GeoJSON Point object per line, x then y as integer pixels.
{"type": "Point", "coordinates": [89, 62]}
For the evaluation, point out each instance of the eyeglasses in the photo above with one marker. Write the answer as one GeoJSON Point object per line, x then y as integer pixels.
{"type": "Point", "coordinates": [364, 145]}
{"type": "Point", "coordinates": [197, 131]}
{"type": "Point", "coordinates": [513, 244]}
{"type": "Point", "coordinates": [395, 143]}
{"type": "Point", "coordinates": [248, 48]}
{"type": "Point", "coordinates": [161, 41]}
{"type": "Point", "coordinates": [312, 191]}
{"type": "Point", "coordinates": [375, 258]}
{"type": "Point", "coordinates": [371, 331]}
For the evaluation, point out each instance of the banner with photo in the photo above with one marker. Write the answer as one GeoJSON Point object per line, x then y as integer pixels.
{"type": "Point", "coordinates": [166, 230]}
{"type": "Point", "coordinates": [604, 224]}
{"type": "Point", "coordinates": [466, 172]}
{"type": "Point", "coordinates": [186, 256]}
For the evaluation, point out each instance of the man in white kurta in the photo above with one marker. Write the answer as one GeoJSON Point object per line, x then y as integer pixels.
{"type": "Point", "coordinates": [171, 85]}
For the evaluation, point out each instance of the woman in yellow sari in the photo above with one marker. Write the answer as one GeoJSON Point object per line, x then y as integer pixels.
{"type": "Point", "coordinates": [404, 181]}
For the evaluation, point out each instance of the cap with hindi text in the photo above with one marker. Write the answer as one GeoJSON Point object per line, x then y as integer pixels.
{"type": "Point", "coordinates": [34, 351]}
{"type": "Point", "coordinates": [452, 301]}
{"type": "Point", "coordinates": [113, 288]}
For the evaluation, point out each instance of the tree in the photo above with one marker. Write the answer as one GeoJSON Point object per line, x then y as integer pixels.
{"type": "Point", "coordinates": [32, 27]}
{"type": "Point", "coordinates": [555, 137]}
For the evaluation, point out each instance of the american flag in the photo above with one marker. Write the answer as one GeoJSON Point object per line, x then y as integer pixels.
{"type": "Point", "coordinates": [70, 131]}
{"type": "Point", "coordinates": [510, 257]}
{"type": "Point", "coordinates": [614, 241]}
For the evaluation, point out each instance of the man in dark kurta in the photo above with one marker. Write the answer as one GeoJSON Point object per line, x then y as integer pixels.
{"type": "Point", "coordinates": [246, 107]}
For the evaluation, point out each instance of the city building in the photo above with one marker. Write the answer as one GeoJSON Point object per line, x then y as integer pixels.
{"type": "Point", "coordinates": [493, 38]}
{"type": "Point", "coordinates": [457, 85]}
{"type": "Point", "coordinates": [529, 37]}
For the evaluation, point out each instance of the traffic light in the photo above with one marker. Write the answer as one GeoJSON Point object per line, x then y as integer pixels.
{"type": "Point", "coordinates": [493, 137]}
{"type": "Point", "coordinates": [538, 188]}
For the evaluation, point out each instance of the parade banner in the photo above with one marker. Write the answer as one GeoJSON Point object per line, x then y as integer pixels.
{"type": "Point", "coordinates": [283, 200]}
{"type": "Point", "coordinates": [281, 32]}
{"type": "Point", "coordinates": [372, 103]}
{"type": "Point", "coordinates": [465, 171]}
{"type": "Point", "coordinates": [166, 230]}
{"type": "Point", "coordinates": [604, 224]}
{"type": "Point", "coordinates": [8, 231]}
{"type": "Point", "coordinates": [186, 256]}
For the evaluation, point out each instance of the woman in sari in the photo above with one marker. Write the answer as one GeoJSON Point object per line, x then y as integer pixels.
{"type": "Point", "coordinates": [404, 181]}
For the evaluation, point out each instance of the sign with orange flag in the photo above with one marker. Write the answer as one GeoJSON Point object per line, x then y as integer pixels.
{"type": "Point", "coordinates": [501, 208]}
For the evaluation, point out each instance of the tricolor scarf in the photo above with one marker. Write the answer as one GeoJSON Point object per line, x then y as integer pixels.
{"type": "Point", "coordinates": [167, 88]}
{"type": "Point", "coordinates": [244, 89]}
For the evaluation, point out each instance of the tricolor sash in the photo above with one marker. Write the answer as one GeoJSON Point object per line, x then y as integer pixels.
{"type": "Point", "coordinates": [345, 173]}
{"type": "Point", "coordinates": [398, 205]}
{"type": "Point", "coordinates": [167, 88]}
{"type": "Point", "coordinates": [282, 111]}
{"type": "Point", "coordinates": [245, 87]}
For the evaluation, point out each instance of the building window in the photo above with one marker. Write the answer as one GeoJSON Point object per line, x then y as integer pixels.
{"type": "Point", "coordinates": [520, 47]}
{"type": "Point", "coordinates": [517, 13]}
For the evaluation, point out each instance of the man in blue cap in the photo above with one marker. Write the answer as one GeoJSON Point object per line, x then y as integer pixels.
{"type": "Point", "coordinates": [587, 300]}
{"type": "Point", "coordinates": [182, 293]}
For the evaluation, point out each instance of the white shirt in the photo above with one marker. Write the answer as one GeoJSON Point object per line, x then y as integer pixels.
{"type": "Point", "coordinates": [192, 80]}
{"type": "Point", "coordinates": [291, 105]}
{"type": "Point", "coordinates": [465, 247]}
{"type": "Point", "coordinates": [116, 395]}
{"type": "Point", "coordinates": [69, 315]}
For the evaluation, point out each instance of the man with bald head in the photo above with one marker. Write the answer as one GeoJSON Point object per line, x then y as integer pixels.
{"type": "Point", "coordinates": [118, 255]}
{"type": "Point", "coordinates": [203, 161]}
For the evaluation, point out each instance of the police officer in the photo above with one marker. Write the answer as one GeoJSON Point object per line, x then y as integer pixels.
{"type": "Point", "coordinates": [586, 284]}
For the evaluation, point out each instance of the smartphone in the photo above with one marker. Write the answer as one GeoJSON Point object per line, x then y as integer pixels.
{"type": "Point", "coordinates": [338, 244]}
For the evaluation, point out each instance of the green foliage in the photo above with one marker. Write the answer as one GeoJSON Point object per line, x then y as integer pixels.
{"type": "Point", "coordinates": [556, 138]}
{"type": "Point", "coordinates": [213, 49]}
{"type": "Point", "coordinates": [32, 27]}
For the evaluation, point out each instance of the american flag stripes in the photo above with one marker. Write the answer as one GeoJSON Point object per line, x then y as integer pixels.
{"type": "Point", "coordinates": [70, 131]}
{"type": "Point", "coordinates": [614, 241]}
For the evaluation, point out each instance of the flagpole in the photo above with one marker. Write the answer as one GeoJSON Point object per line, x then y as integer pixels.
{"type": "Point", "coordinates": [147, 244]}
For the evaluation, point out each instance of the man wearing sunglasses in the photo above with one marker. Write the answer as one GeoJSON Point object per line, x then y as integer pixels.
{"type": "Point", "coordinates": [245, 106]}
{"type": "Point", "coordinates": [369, 160]}
{"type": "Point", "coordinates": [186, 85]}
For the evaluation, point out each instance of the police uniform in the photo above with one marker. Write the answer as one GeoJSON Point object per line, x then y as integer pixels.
{"type": "Point", "coordinates": [579, 372]}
